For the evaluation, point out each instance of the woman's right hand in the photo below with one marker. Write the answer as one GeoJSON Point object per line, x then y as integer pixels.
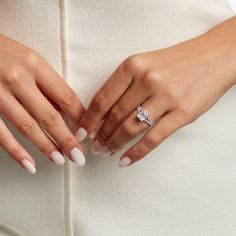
{"type": "Point", "coordinates": [31, 95]}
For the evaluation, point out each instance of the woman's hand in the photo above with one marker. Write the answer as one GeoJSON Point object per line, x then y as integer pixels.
{"type": "Point", "coordinates": [175, 85]}
{"type": "Point", "coordinates": [31, 95]}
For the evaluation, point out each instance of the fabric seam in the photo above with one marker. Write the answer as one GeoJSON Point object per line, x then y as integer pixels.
{"type": "Point", "coordinates": [67, 203]}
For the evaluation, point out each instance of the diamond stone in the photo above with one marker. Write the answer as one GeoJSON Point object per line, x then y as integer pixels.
{"type": "Point", "coordinates": [142, 114]}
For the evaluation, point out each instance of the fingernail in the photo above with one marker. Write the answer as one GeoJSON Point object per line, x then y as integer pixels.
{"type": "Point", "coordinates": [93, 134]}
{"type": "Point", "coordinates": [28, 166]}
{"type": "Point", "coordinates": [77, 156]}
{"type": "Point", "coordinates": [57, 157]}
{"type": "Point", "coordinates": [97, 147]}
{"type": "Point", "coordinates": [81, 134]}
{"type": "Point", "coordinates": [124, 162]}
{"type": "Point", "coordinates": [106, 151]}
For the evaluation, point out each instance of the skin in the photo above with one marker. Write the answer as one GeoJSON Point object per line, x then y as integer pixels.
{"type": "Point", "coordinates": [176, 80]}
{"type": "Point", "coordinates": [32, 102]}
{"type": "Point", "coordinates": [175, 85]}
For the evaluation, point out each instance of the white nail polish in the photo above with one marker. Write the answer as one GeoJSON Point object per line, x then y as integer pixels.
{"type": "Point", "coordinates": [93, 135]}
{"type": "Point", "coordinates": [77, 156]}
{"type": "Point", "coordinates": [57, 157]}
{"type": "Point", "coordinates": [124, 162]}
{"type": "Point", "coordinates": [106, 151]}
{"type": "Point", "coordinates": [81, 134]}
{"type": "Point", "coordinates": [28, 166]}
{"type": "Point", "coordinates": [97, 147]}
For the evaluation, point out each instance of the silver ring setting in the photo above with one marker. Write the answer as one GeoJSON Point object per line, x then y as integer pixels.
{"type": "Point", "coordinates": [143, 116]}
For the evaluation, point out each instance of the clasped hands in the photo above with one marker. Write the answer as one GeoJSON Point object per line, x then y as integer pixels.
{"type": "Point", "coordinates": [175, 85]}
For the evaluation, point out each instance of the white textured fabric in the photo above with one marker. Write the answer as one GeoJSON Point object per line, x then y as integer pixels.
{"type": "Point", "coordinates": [232, 3]}
{"type": "Point", "coordinates": [187, 186]}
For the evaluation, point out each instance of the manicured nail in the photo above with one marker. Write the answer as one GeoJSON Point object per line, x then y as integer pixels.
{"type": "Point", "coordinates": [97, 147]}
{"type": "Point", "coordinates": [77, 156]}
{"type": "Point", "coordinates": [81, 134]}
{"type": "Point", "coordinates": [106, 151]}
{"type": "Point", "coordinates": [57, 157]}
{"type": "Point", "coordinates": [124, 162]}
{"type": "Point", "coordinates": [28, 166]}
{"type": "Point", "coordinates": [93, 134]}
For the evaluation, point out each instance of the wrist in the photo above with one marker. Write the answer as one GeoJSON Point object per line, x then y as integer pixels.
{"type": "Point", "coordinates": [224, 35]}
{"type": "Point", "coordinates": [222, 40]}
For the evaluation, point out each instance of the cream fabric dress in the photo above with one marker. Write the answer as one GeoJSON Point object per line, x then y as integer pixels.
{"type": "Point", "coordinates": [185, 187]}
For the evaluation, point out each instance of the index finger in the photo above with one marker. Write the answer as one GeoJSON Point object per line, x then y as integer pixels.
{"type": "Point", "coordinates": [103, 100]}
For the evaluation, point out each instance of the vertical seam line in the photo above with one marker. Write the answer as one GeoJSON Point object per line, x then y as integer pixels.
{"type": "Point", "coordinates": [67, 187]}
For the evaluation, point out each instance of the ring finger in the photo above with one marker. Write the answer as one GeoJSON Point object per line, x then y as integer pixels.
{"type": "Point", "coordinates": [132, 126]}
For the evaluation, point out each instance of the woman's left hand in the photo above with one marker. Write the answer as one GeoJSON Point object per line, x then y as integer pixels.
{"type": "Point", "coordinates": [175, 85]}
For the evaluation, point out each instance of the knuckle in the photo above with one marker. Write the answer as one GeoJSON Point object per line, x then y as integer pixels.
{"type": "Point", "coordinates": [129, 128]}
{"type": "Point", "coordinates": [99, 102]}
{"type": "Point", "coordinates": [152, 141]}
{"type": "Point", "coordinates": [13, 75]}
{"type": "Point", "coordinates": [132, 63]}
{"type": "Point", "coordinates": [68, 98]}
{"type": "Point", "coordinates": [173, 93]}
{"type": "Point", "coordinates": [187, 112]}
{"type": "Point", "coordinates": [32, 59]}
{"type": "Point", "coordinates": [49, 119]}
{"type": "Point", "coordinates": [151, 79]}
{"type": "Point", "coordinates": [27, 127]}
{"type": "Point", "coordinates": [116, 114]}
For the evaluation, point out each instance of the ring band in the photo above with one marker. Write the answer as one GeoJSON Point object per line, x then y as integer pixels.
{"type": "Point", "coordinates": [143, 115]}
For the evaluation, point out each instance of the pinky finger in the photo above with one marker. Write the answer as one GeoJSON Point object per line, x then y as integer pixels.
{"type": "Point", "coordinates": [166, 126]}
{"type": "Point", "coordinates": [15, 150]}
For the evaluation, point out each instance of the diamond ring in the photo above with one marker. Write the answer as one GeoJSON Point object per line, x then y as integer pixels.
{"type": "Point", "coordinates": [144, 116]}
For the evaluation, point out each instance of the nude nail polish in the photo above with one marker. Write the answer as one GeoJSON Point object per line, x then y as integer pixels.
{"type": "Point", "coordinates": [28, 166]}
{"type": "Point", "coordinates": [106, 151]}
{"type": "Point", "coordinates": [124, 162]}
{"type": "Point", "coordinates": [57, 157]}
{"type": "Point", "coordinates": [97, 147]}
{"type": "Point", "coordinates": [77, 156]}
{"type": "Point", "coordinates": [93, 134]}
{"type": "Point", "coordinates": [81, 134]}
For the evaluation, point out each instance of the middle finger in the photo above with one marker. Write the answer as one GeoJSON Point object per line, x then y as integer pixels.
{"type": "Point", "coordinates": [122, 109]}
